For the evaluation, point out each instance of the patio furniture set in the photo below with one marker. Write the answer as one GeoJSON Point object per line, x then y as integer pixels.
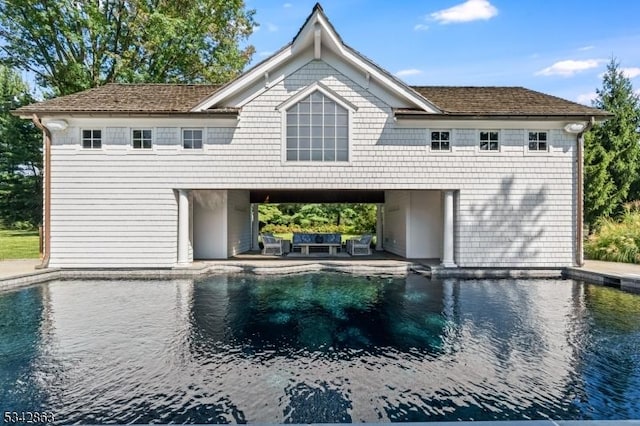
{"type": "Point", "coordinates": [305, 242]}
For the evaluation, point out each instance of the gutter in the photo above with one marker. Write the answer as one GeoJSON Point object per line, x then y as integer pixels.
{"type": "Point", "coordinates": [46, 134]}
{"type": "Point", "coordinates": [580, 196]}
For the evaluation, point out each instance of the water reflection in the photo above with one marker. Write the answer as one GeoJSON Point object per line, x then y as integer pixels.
{"type": "Point", "coordinates": [320, 348]}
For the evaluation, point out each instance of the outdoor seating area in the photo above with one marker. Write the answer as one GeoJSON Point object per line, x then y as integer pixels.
{"type": "Point", "coordinates": [307, 244]}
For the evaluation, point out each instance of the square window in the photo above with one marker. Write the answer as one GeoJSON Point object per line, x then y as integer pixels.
{"type": "Point", "coordinates": [538, 141]}
{"type": "Point", "coordinates": [489, 140]}
{"type": "Point", "coordinates": [92, 139]}
{"type": "Point", "coordinates": [141, 138]}
{"type": "Point", "coordinates": [440, 141]}
{"type": "Point", "coordinates": [192, 138]}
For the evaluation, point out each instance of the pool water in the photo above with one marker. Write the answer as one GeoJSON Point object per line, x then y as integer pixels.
{"type": "Point", "coordinates": [319, 348]}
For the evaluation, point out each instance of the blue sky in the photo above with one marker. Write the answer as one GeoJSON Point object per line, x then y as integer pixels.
{"type": "Point", "coordinates": [560, 47]}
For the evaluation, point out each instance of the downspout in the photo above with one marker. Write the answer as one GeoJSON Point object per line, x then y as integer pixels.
{"type": "Point", "coordinates": [46, 177]}
{"type": "Point", "coordinates": [580, 197]}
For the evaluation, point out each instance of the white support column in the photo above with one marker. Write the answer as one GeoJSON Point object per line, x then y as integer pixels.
{"type": "Point", "coordinates": [255, 226]}
{"type": "Point", "coordinates": [379, 229]}
{"type": "Point", "coordinates": [183, 227]}
{"type": "Point", "coordinates": [447, 255]}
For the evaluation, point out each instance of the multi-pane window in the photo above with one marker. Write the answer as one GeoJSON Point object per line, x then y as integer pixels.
{"type": "Point", "coordinates": [537, 141]}
{"type": "Point", "coordinates": [92, 139]}
{"type": "Point", "coordinates": [317, 130]}
{"type": "Point", "coordinates": [141, 138]}
{"type": "Point", "coordinates": [192, 138]}
{"type": "Point", "coordinates": [489, 140]}
{"type": "Point", "coordinates": [440, 141]}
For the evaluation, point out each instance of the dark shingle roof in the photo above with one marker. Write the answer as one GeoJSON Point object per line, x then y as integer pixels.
{"type": "Point", "coordinates": [128, 98]}
{"type": "Point", "coordinates": [456, 100]}
{"type": "Point", "coordinates": [177, 98]}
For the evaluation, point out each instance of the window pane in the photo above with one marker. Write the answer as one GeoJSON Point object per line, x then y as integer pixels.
{"type": "Point", "coordinates": [329, 143]}
{"type": "Point", "coordinates": [305, 119]}
{"type": "Point", "coordinates": [146, 134]}
{"type": "Point", "coordinates": [197, 144]}
{"type": "Point", "coordinates": [494, 136]}
{"type": "Point", "coordinates": [97, 143]}
{"type": "Point", "coordinates": [341, 120]}
{"type": "Point", "coordinates": [86, 134]}
{"type": "Point", "coordinates": [542, 136]}
{"type": "Point", "coordinates": [304, 155]}
{"type": "Point", "coordinates": [329, 155]}
{"type": "Point", "coordinates": [435, 145]}
{"type": "Point", "coordinates": [188, 144]}
{"type": "Point", "coordinates": [137, 134]}
{"type": "Point", "coordinates": [316, 120]}
{"type": "Point", "coordinates": [317, 97]}
{"type": "Point", "coordinates": [445, 145]}
{"type": "Point", "coordinates": [484, 146]}
{"type": "Point", "coordinates": [342, 144]}
{"type": "Point", "coordinates": [329, 120]}
{"type": "Point", "coordinates": [292, 118]}
{"type": "Point", "coordinates": [187, 134]}
{"type": "Point", "coordinates": [97, 134]}
{"type": "Point", "coordinates": [542, 146]}
{"type": "Point", "coordinates": [484, 136]}
{"type": "Point", "coordinates": [305, 131]}
{"type": "Point", "coordinates": [292, 131]}
{"type": "Point", "coordinates": [316, 108]}
{"type": "Point", "coordinates": [197, 134]}
{"type": "Point", "coordinates": [316, 155]}
{"type": "Point", "coordinates": [316, 131]}
{"type": "Point", "coordinates": [292, 155]}
{"type": "Point", "coordinates": [342, 156]}
{"type": "Point", "coordinates": [493, 146]}
{"type": "Point", "coordinates": [533, 136]}
{"type": "Point", "coordinates": [316, 143]}
{"type": "Point", "coordinates": [147, 144]}
{"type": "Point", "coordinates": [86, 143]}
{"type": "Point", "coordinates": [329, 107]}
{"type": "Point", "coordinates": [292, 142]}
{"type": "Point", "coordinates": [533, 146]}
{"type": "Point", "coordinates": [444, 136]}
{"type": "Point", "coordinates": [342, 132]}
{"type": "Point", "coordinates": [329, 132]}
{"type": "Point", "coordinates": [304, 142]}
{"type": "Point", "coordinates": [137, 143]}
{"type": "Point", "coordinates": [305, 107]}
{"type": "Point", "coordinates": [435, 136]}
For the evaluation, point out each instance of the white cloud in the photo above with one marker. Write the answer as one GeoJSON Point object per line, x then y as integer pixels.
{"type": "Point", "coordinates": [272, 27]}
{"type": "Point", "coordinates": [586, 98]}
{"type": "Point", "coordinates": [410, 71]}
{"type": "Point", "coordinates": [569, 67]}
{"type": "Point", "coordinates": [287, 5]}
{"type": "Point", "coordinates": [585, 48]}
{"type": "Point", "coordinates": [631, 72]}
{"type": "Point", "coordinates": [470, 10]}
{"type": "Point", "coordinates": [420, 27]}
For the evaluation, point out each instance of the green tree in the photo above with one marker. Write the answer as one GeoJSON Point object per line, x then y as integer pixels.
{"type": "Point", "coordinates": [20, 156]}
{"type": "Point", "coordinates": [612, 148]}
{"type": "Point", "coordinates": [72, 45]}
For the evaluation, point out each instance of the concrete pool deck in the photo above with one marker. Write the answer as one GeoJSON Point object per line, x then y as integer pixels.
{"type": "Point", "coordinates": [20, 273]}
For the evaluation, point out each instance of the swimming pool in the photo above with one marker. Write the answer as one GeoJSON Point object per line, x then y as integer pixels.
{"type": "Point", "coordinates": [320, 348]}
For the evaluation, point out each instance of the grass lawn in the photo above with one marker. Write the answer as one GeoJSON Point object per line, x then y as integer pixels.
{"type": "Point", "coordinates": [18, 244]}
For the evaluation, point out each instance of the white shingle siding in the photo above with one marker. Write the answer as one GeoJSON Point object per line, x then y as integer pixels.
{"type": "Point", "coordinates": [114, 207]}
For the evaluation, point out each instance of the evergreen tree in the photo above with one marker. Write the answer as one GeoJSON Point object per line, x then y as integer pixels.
{"type": "Point", "coordinates": [612, 148]}
{"type": "Point", "coordinates": [20, 156]}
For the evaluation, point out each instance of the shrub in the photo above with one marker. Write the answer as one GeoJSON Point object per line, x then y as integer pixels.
{"type": "Point", "coordinates": [617, 241]}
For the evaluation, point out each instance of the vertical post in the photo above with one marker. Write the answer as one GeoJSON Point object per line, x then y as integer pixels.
{"type": "Point", "coordinates": [447, 255]}
{"type": "Point", "coordinates": [183, 227]}
{"type": "Point", "coordinates": [379, 229]}
{"type": "Point", "coordinates": [255, 226]}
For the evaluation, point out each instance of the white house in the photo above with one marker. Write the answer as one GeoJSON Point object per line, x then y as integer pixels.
{"type": "Point", "coordinates": [159, 175]}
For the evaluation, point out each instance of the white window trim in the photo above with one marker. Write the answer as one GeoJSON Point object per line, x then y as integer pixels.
{"type": "Point", "coordinates": [283, 107]}
{"type": "Point", "coordinates": [440, 151]}
{"type": "Point", "coordinates": [527, 151]}
{"type": "Point", "coordinates": [102, 139]}
{"type": "Point", "coordinates": [153, 139]}
{"type": "Point", "coordinates": [488, 151]}
{"type": "Point", "coordinates": [195, 150]}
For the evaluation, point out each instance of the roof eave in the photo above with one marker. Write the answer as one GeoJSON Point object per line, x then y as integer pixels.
{"type": "Point", "coordinates": [419, 115]}
{"type": "Point", "coordinates": [176, 114]}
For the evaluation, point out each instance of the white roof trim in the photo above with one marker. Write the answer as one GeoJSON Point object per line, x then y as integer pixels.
{"type": "Point", "coordinates": [307, 37]}
{"type": "Point", "coordinates": [313, 88]}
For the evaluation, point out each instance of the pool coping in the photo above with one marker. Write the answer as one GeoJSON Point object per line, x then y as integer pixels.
{"type": "Point", "coordinates": [625, 281]}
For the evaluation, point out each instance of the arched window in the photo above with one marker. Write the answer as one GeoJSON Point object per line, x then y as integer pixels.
{"type": "Point", "coordinates": [317, 130]}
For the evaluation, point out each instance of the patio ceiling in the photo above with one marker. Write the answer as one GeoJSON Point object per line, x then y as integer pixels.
{"type": "Point", "coordinates": [316, 196]}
